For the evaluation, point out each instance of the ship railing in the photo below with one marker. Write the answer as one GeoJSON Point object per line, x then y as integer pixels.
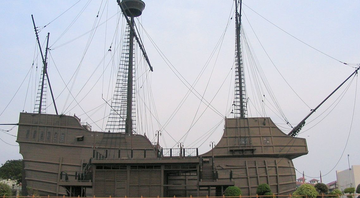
{"type": "Point", "coordinates": [113, 154]}
{"type": "Point", "coordinates": [179, 152]}
{"type": "Point", "coordinates": [86, 125]}
{"type": "Point", "coordinates": [107, 154]}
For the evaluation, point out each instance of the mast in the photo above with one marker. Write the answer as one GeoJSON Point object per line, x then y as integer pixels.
{"type": "Point", "coordinates": [44, 72]}
{"type": "Point", "coordinates": [298, 127]}
{"type": "Point", "coordinates": [131, 9]}
{"type": "Point", "coordinates": [240, 94]}
{"type": "Point", "coordinates": [129, 121]}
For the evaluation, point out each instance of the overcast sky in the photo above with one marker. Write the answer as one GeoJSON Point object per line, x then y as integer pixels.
{"type": "Point", "coordinates": [299, 44]}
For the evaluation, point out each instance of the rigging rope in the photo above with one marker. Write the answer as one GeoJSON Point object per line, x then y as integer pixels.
{"type": "Point", "coordinates": [348, 136]}
{"type": "Point", "coordinates": [303, 42]}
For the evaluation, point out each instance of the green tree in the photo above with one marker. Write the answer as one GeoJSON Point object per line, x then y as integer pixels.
{"type": "Point", "coordinates": [321, 188]}
{"type": "Point", "coordinates": [232, 191]}
{"type": "Point", "coordinates": [306, 190]}
{"type": "Point", "coordinates": [263, 189]}
{"type": "Point", "coordinates": [5, 190]}
{"type": "Point", "coordinates": [358, 189]}
{"type": "Point", "coordinates": [11, 170]}
{"type": "Point", "coordinates": [350, 190]}
{"type": "Point", "coordinates": [336, 192]}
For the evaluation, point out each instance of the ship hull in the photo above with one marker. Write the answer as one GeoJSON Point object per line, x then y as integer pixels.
{"type": "Point", "coordinates": [63, 157]}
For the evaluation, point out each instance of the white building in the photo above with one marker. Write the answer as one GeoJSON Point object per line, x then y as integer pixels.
{"type": "Point", "coordinates": [348, 178]}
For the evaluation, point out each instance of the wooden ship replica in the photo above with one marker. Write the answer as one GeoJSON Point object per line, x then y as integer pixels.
{"type": "Point", "coordinates": [63, 157]}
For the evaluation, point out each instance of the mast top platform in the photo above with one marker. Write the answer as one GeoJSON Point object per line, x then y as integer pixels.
{"type": "Point", "coordinates": [133, 8]}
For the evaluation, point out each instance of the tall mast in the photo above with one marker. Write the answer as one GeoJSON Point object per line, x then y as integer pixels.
{"type": "Point", "coordinates": [44, 72]}
{"type": "Point", "coordinates": [240, 94]}
{"type": "Point", "coordinates": [131, 9]}
{"type": "Point", "coordinates": [129, 121]}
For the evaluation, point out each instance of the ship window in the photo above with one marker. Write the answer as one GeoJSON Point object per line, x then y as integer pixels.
{"type": "Point", "coordinates": [55, 136]}
{"type": "Point", "coordinates": [27, 134]}
{"type": "Point", "coordinates": [48, 136]}
{"type": "Point", "coordinates": [80, 138]}
{"type": "Point", "coordinates": [34, 135]}
{"type": "Point", "coordinates": [42, 136]}
{"type": "Point", "coordinates": [62, 137]}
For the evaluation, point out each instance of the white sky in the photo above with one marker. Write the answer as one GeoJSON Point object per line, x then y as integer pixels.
{"type": "Point", "coordinates": [186, 32]}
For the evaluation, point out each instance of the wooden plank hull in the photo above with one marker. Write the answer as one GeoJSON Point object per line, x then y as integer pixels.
{"type": "Point", "coordinates": [63, 157]}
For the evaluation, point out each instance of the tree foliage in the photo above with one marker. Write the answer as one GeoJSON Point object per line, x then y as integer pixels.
{"type": "Point", "coordinates": [321, 188]}
{"type": "Point", "coordinates": [263, 189]}
{"type": "Point", "coordinates": [358, 189]}
{"type": "Point", "coordinates": [232, 191]}
{"type": "Point", "coordinates": [306, 190]}
{"type": "Point", "coordinates": [5, 190]}
{"type": "Point", "coordinates": [336, 192]}
{"type": "Point", "coordinates": [350, 190]}
{"type": "Point", "coordinates": [11, 170]}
